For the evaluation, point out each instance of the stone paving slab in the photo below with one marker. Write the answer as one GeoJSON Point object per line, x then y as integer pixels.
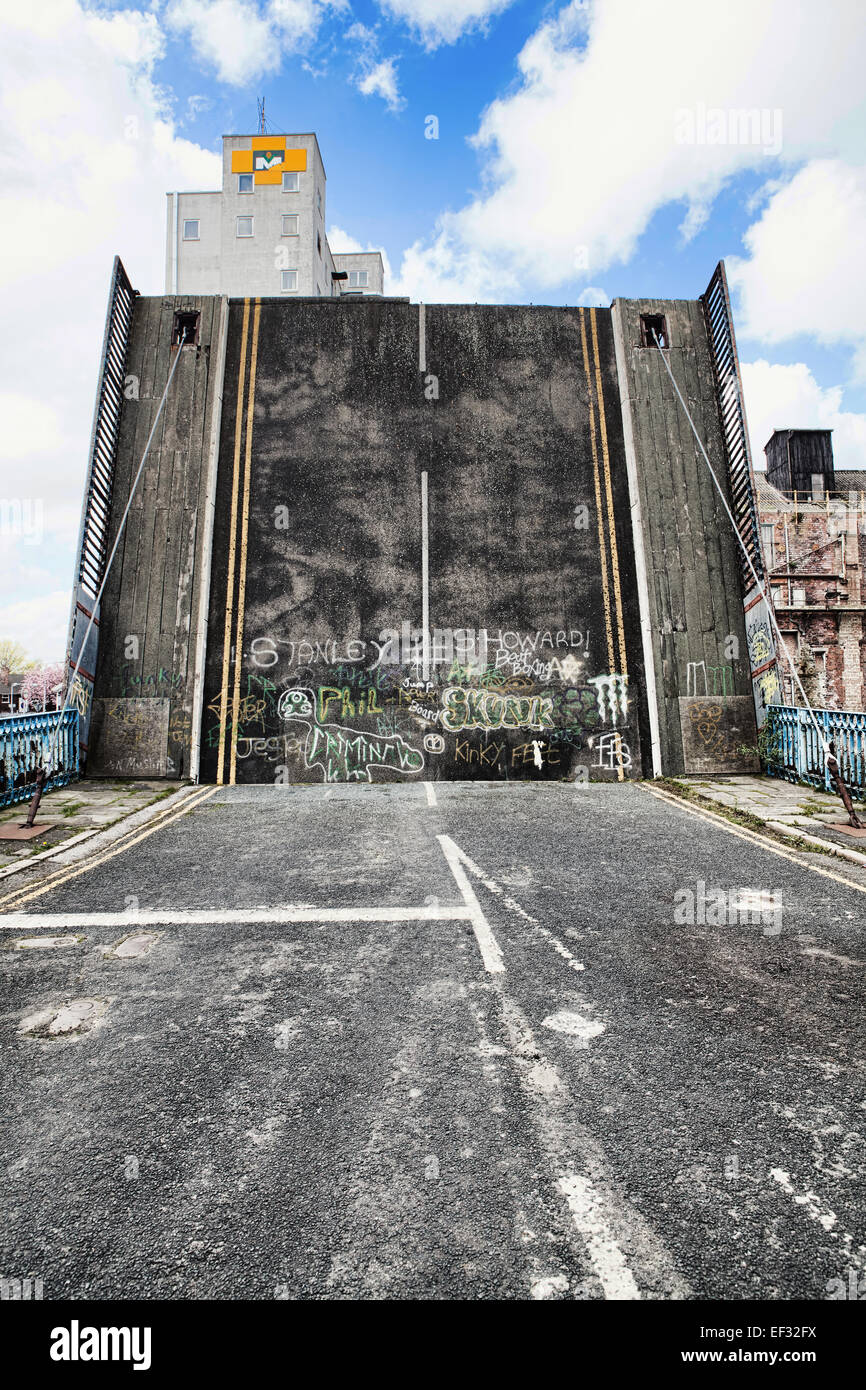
{"type": "Point", "coordinates": [771, 799]}
{"type": "Point", "coordinates": [80, 807]}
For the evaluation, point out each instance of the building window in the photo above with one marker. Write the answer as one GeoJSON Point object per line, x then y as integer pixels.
{"type": "Point", "coordinates": [358, 279]}
{"type": "Point", "coordinates": [768, 535]}
{"type": "Point", "coordinates": [798, 598]}
{"type": "Point", "coordinates": [245, 226]}
{"type": "Point", "coordinates": [288, 281]}
{"type": "Point", "coordinates": [245, 183]}
{"type": "Point", "coordinates": [319, 198]}
{"type": "Point", "coordinates": [185, 327]}
{"type": "Point", "coordinates": [318, 244]}
{"type": "Point", "coordinates": [654, 327]}
{"type": "Point", "coordinates": [291, 183]}
{"type": "Point", "coordinates": [190, 229]}
{"type": "Point", "coordinates": [290, 223]}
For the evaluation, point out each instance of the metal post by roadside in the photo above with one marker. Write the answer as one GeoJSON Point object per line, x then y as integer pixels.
{"type": "Point", "coordinates": [835, 772]}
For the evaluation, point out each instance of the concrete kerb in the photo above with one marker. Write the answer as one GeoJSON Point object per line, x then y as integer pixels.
{"type": "Point", "coordinates": [91, 841]}
{"type": "Point", "coordinates": [789, 831]}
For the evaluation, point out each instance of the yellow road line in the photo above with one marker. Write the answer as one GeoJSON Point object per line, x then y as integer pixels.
{"type": "Point", "coordinates": [160, 816]}
{"type": "Point", "coordinates": [742, 834]}
{"type": "Point", "coordinates": [242, 568]}
{"type": "Point", "coordinates": [27, 895]}
{"type": "Point", "coordinates": [598, 506]}
{"type": "Point", "coordinates": [230, 582]}
{"type": "Point", "coordinates": [605, 454]}
{"type": "Point", "coordinates": [602, 545]}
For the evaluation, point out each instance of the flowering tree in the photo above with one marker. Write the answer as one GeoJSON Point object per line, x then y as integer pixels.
{"type": "Point", "coordinates": [43, 688]}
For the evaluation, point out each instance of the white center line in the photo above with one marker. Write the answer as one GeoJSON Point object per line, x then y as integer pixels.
{"type": "Point", "coordinates": [487, 943]}
{"type": "Point", "coordinates": [431, 794]}
{"type": "Point", "coordinates": [607, 1259]}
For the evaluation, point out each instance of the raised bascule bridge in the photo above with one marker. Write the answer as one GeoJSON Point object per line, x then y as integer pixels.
{"type": "Point", "coordinates": [376, 540]}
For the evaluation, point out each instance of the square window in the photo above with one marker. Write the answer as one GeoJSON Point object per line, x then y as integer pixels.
{"type": "Point", "coordinates": [288, 280]}
{"type": "Point", "coordinates": [654, 331]}
{"type": "Point", "coordinates": [291, 183]}
{"type": "Point", "coordinates": [245, 183]}
{"type": "Point", "coordinates": [358, 279]}
{"type": "Point", "coordinates": [290, 223]}
{"type": "Point", "coordinates": [190, 229]}
{"type": "Point", "coordinates": [245, 226]}
{"type": "Point", "coordinates": [185, 328]}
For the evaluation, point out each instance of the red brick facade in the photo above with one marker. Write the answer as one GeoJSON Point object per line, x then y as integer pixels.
{"type": "Point", "coordinates": [815, 554]}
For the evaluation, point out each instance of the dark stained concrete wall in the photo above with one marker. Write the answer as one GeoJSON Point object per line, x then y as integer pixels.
{"type": "Point", "coordinates": [695, 600]}
{"type": "Point", "coordinates": [280, 516]}
{"type": "Point", "coordinates": [154, 599]}
{"type": "Point", "coordinates": [505, 422]}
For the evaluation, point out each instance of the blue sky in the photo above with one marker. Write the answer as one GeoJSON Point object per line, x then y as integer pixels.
{"type": "Point", "coordinates": [585, 151]}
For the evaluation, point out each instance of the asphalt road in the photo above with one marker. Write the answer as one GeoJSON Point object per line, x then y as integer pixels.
{"type": "Point", "coordinates": [503, 1067]}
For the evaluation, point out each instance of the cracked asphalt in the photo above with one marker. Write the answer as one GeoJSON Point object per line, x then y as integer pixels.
{"type": "Point", "coordinates": [635, 1106]}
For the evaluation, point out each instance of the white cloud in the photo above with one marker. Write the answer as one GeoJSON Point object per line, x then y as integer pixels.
{"type": "Point", "coordinates": [435, 22]}
{"type": "Point", "coordinates": [79, 86]}
{"type": "Point", "coordinates": [589, 146]}
{"type": "Point", "coordinates": [241, 40]}
{"type": "Point", "coordinates": [594, 297]}
{"type": "Point", "coordinates": [789, 397]}
{"type": "Point", "coordinates": [343, 243]}
{"type": "Point", "coordinates": [381, 81]}
{"type": "Point", "coordinates": [804, 273]}
{"type": "Point", "coordinates": [373, 75]}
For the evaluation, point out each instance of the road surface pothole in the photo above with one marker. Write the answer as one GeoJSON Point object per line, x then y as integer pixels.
{"type": "Point", "coordinates": [138, 944]}
{"type": "Point", "coordinates": [64, 1020]}
{"type": "Point", "coordinates": [574, 1026]}
{"type": "Point", "coordinates": [46, 943]}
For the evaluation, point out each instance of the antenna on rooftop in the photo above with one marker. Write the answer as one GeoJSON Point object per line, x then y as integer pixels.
{"type": "Point", "coordinates": [261, 109]}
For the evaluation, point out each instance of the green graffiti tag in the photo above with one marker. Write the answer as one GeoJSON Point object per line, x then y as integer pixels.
{"type": "Point", "coordinates": [484, 709]}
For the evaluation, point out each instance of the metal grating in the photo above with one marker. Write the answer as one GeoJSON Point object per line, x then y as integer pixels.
{"type": "Point", "coordinates": [93, 537]}
{"type": "Point", "coordinates": [729, 390]}
{"type": "Point", "coordinates": [96, 512]}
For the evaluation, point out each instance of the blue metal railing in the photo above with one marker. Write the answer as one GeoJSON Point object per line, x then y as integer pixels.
{"type": "Point", "coordinates": [792, 748]}
{"type": "Point", "coordinates": [25, 740]}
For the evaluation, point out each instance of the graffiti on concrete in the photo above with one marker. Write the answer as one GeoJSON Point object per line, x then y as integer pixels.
{"type": "Point", "coordinates": [345, 755]}
{"type": "Point", "coordinates": [702, 679]}
{"type": "Point", "coordinates": [483, 709]}
{"type": "Point", "coordinates": [613, 753]}
{"type": "Point", "coordinates": [612, 695]}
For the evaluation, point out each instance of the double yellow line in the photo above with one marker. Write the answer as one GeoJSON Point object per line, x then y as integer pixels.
{"type": "Point", "coordinates": [604, 504]}
{"type": "Point", "coordinates": [12, 901]}
{"type": "Point", "coordinates": [238, 539]}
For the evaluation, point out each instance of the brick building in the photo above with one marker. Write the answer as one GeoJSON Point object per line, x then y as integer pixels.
{"type": "Point", "coordinates": [813, 533]}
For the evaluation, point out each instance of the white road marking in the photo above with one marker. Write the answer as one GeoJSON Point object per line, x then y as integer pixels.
{"type": "Point", "coordinates": [431, 794]}
{"type": "Point", "coordinates": [601, 1214]}
{"type": "Point", "coordinates": [41, 921]}
{"type": "Point", "coordinates": [808, 1200]}
{"type": "Point", "coordinates": [607, 1259]}
{"type": "Point", "coordinates": [513, 906]}
{"type": "Point", "coordinates": [574, 1025]}
{"type": "Point", "coordinates": [487, 943]}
